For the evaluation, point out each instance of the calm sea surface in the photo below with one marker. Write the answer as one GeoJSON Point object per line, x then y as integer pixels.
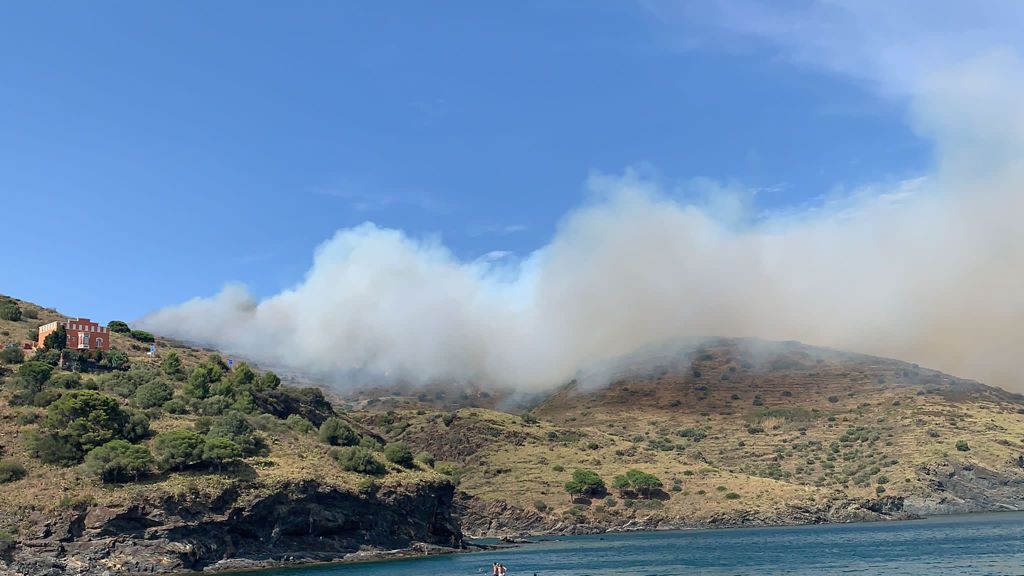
{"type": "Point", "coordinates": [970, 544]}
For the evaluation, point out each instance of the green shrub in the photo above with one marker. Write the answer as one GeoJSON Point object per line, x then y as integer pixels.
{"type": "Point", "coordinates": [448, 418]}
{"type": "Point", "coordinates": [585, 483]}
{"type": "Point", "coordinates": [174, 406]}
{"type": "Point", "coordinates": [10, 311]}
{"type": "Point", "coordinates": [833, 399]}
{"type": "Point", "coordinates": [118, 461]}
{"type": "Point", "coordinates": [218, 450]}
{"type": "Point", "coordinates": [152, 394]}
{"type": "Point", "coordinates": [962, 445]}
{"type": "Point", "coordinates": [695, 434]}
{"type": "Point", "coordinates": [337, 432]}
{"type": "Point", "coordinates": [116, 359]}
{"type": "Point", "coordinates": [299, 424]}
{"type": "Point", "coordinates": [119, 327]}
{"type": "Point", "coordinates": [11, 471]}
{"type": "Point", "coordinates": [35, 371]}
{"type": "Point", "coordinates": [12, 355]}
{"type": "Point", "coordinates": [369, 443]}
{"type": "Point", "coordinates": [53, 448]}
{"type": "Point", "coordinates": [234, 427]}
{"type": "Point", "coordinates": [732, 496]}
{"type": "Point", "coordinates": [202, 378]}
{"type": "Point", "coordinates": [425, 458]}
{"type": "Point", "coordinates": [399, 453]}
{"type": "Point", "coordinates": [638, 481]}
{"type": "Point", "coordinates": [529, 419]}
{"type": "Point", "coordinates": [142, 336]}
{"type": "Point", "coordinates": [171, 366]}
{"type": "Point", "coordinates": [357, 459]}
{"type": "Point", "coordinates": [214, 406]}
{"type": "Point", "coordinates": [540, 505]}
{"type": "Point", "coordinates": [558, 468]}
{"type": "Point", "coordinates": [87, 419]}
{"type": "Point", "coordinates": [178, 449]}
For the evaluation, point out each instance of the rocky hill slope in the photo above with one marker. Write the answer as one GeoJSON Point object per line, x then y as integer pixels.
{"type": "Point", "coordinates": [140, 464]}
{"type": "Point", "coordinates": [739, 433]}
{"type": "Point", "coordinates": [214, 467]}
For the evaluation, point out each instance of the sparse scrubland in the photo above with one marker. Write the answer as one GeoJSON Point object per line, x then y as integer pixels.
{"type": "Point", "coordinates": [176, 451]}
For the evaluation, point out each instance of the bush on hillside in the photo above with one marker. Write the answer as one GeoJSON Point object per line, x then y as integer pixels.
{"type": "Point", "coordinates": [53, 448]}
{"type": "Point", "coordinates": [219, 450]}
{"type": "Point", "coordinates": [200, 381]}
{"type": "Point", "coordinates": [336, 432]}
{"type": "Point", "coordinates": [425, 458]}
{"type": "Point", "coordinates": [299, 424]}
{"type": "Point", "coordinates": [118, 461]}
{"type": "Point", "coordinates": [234, 427]}
{"type": "Point", "coordinates": [143, 336]}
{"type": "Point", "coordinates": [638, 481]}
{"type": "Point", "coordinates": [11, 471]}
{"type": "Point", "coordinates": [962, 445]}
{"type": "Point", "coordinates": [88, 419]}
{"type": "Point", "coordinates": [152, 394]}
{"type": "Point", "coordinates": [171, 366]}
{"type": "Point", "coordinates": [12, 355]}
{"type": "Point", "coordinates": [119, 327]}
{"type": "Point", "coordinates": [399, 453]}
{"type": "Point", "coordinates": [585, 483]}
{"type": "Point", "coordinates": [178, 449]}
{"type": "Point", "coordinates": [269, 381]}
{"type": "Point", "coordinates": [10, 310]}
{"type": "Point", "coordinates": [36, 372]}
{"type": "Point", "coordinates": [116, 359]}
{"type": "Point", "coordinates": [357, 459]}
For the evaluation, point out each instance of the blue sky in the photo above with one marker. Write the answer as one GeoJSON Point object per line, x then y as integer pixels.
{"type": "Point", "coordinates": [160, 150]}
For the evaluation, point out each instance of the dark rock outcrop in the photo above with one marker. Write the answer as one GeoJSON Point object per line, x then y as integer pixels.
{"type": "Point", "coordinates": [497, 519]}
{"type": "Point", "coordinates": [293, 523]}
{"type": "Point", "coordinates": [961, 487]}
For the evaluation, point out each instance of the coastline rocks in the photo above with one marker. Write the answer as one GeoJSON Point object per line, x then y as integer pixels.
{"type": "Point", "coordinates": [261, 526]}
{"type": "Point", "coordinates": [498, 519]}
{"type": "Point", "coordinates": [962, 487]}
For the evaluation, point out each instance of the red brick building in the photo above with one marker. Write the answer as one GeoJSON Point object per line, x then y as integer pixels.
{"type": "Point", "coordinates": [83, 334]}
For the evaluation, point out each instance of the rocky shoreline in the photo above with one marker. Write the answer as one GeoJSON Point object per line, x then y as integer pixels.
{"type": "Point", "coordinates": [253, 526]}
{"type": "Point", "coordinates": [292, 524]}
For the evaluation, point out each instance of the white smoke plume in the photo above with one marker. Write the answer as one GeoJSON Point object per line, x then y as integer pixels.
{"type": "Point", "coordinates": [929, 270]}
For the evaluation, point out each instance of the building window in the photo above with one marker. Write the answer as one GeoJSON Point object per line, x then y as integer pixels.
{"type": "Point", "coordinates": [99, 342]}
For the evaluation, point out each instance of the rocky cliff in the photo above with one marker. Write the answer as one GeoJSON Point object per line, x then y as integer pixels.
{"type": "Point", "coordinates": [239, 528]}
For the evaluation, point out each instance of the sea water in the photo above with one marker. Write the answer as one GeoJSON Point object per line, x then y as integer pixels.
{"type": "Point", "coordinates": [961, 545]}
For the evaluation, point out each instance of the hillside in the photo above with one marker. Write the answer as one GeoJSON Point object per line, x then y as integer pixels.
{"type": "Point", "coordinates": [235, 476]}
{"type": "Point", "coordinates": [738, 432]}
{"type": "Point", "coordinates": [731, 432]}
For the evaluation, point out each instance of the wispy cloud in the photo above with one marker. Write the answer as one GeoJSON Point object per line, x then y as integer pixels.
{"type": "Point", "coordinates": [367, 198]}
{"type": "Point", "coordinates": [891, 47]}
{"type": "Point", "coordinates": [496, 229]}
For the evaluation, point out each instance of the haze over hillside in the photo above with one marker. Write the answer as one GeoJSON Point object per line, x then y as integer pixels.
{"type": "Point", "coordinates": [928, 270]}
{"type": "Point", "coordinates": [925, 267]}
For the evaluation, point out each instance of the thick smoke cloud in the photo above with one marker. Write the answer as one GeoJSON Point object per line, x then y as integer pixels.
{"type": "Point", "coordinates": [929, 270]}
